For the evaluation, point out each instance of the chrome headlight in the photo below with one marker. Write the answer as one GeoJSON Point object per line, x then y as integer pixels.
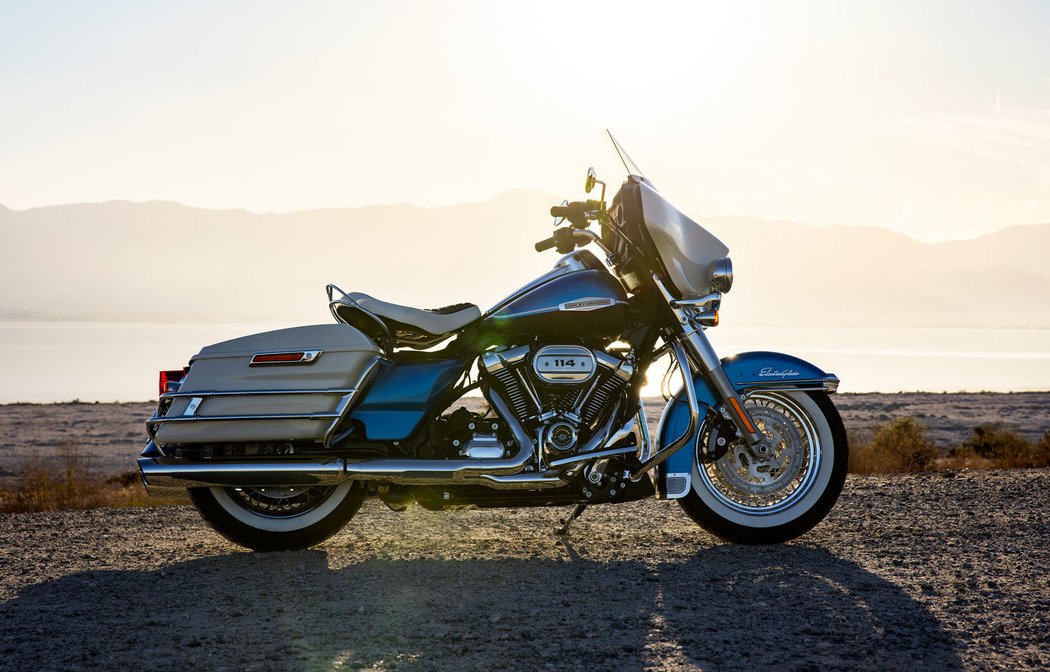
{"type": "Point", "coordinates": [720, 273]}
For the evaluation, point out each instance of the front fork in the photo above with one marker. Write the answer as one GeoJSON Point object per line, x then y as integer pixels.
{"type": "Point", "coordinates": [695, 354]}
{"type": "Point", "coordinates": [701, 355]}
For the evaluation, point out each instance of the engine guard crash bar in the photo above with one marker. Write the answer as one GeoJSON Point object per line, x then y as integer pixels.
{"type": "Point", "coordinates": [694, 418]}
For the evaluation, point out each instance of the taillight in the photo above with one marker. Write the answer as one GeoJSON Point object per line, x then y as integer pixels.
{"type": "Point", "coordinates": [170, 381]}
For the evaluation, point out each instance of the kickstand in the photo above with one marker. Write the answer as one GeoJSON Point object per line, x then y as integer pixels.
{"type": "Point", "coordinates": [577, 511]}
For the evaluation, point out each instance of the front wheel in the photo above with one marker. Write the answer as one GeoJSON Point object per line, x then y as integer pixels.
{"type": "Point", "coordinates": [278, 519]}
{"type": "Point", "coordinates": [744, 499]}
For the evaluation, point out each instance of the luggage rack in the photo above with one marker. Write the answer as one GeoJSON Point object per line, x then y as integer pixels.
{"type": "Point", "coordinates": [197, 399]}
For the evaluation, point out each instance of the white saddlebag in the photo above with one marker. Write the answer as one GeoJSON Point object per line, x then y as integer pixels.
{"type": "Point", "coordinates": [290, 384]}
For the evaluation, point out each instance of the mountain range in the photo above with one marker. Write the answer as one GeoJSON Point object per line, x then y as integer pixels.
{"type": "Point", "coordinates": [166, 262]}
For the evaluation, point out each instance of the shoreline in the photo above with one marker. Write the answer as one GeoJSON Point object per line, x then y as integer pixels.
{"type": "Point", "coordinates": [107, 437]}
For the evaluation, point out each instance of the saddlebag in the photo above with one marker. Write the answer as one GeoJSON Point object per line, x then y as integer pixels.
{"type": "Point", "coordinates": [286, 385]}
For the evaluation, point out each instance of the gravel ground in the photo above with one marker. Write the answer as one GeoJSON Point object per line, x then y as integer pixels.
{"type": "Point", "coordinates": [109, 437]}
{"type": "Point", "coordinates": [932, 571]}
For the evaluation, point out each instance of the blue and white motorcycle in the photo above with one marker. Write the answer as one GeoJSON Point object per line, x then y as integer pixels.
{"type": "Point", "coordinates": [280, 436]}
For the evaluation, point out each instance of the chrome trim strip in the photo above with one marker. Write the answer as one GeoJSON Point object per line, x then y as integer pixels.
{"type": "Point", "coordinates": [684, 477]}
{"type": "Point", "coordinates": [224, 418]}
{"type": "Point", "coordinates": [829, 385]}
{"type": "Point", "coordinates": [249, 393]}
{"type": "Point", "coordinates": [549, 309]}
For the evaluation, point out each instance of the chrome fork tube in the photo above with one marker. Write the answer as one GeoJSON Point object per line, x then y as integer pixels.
{"type": "Point", "coordinates": [703, 356]}
{"type": "Point", "coordinates": [697, 342]}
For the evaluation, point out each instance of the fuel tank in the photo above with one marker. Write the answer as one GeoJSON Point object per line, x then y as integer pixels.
{"type": "Point", "coordinates": [585, 303]}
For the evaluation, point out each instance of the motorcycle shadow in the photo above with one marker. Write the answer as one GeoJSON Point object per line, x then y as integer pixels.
{"type": "Point", "coordinates": [726, 607]}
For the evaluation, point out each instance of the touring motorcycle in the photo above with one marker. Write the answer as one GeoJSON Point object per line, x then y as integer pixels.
{"type": "Point", "coordinates": [280, 436]}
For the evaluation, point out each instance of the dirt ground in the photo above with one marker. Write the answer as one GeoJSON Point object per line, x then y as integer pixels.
{"type": "Point", "coordinates": [941, 571]}
{"type": "Point", "coordinates": [109, 437]}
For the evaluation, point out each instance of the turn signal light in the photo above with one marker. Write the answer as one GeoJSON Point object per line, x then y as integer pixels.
{"type": "Point", "coordinates": [708, 318]}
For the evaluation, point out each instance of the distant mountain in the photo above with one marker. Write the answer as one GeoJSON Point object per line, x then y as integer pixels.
{"type": "Point", "coordinates": [160, 261]}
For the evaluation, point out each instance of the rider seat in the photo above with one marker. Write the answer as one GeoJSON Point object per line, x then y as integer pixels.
{"type": "Point", "coordinates": [395, 325]}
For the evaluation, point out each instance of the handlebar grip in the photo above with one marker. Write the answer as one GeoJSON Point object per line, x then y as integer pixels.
{"type": "Point", "coordinates": [562, 211]}
{"type": "Point", "coordinates": [544, 245]}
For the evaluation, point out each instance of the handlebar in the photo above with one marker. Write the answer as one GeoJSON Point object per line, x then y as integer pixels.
{"type": "Point", "coordinates": [565, 211]}
{"type": "Point", "coordinates": [567, 239]}
{"type": "Point", "coordinates": [577, 212]}
{"type": "Point", "coordinates": [563, 239]}
{"type": "Point", "coordinates": [545, 244]}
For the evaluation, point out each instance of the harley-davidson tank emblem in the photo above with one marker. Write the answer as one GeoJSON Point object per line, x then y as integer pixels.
{"type": "Point", "coordinates": [587, 304]}
{"type": "Point", "coordinates": [770, 372]}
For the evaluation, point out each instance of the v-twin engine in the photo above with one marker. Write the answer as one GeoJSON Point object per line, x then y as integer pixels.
{"type": "Point", "coordinates": [560, 393]}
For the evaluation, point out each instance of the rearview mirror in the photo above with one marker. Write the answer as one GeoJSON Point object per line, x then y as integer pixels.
{"type": "Point", "coordinates": [592, 179]}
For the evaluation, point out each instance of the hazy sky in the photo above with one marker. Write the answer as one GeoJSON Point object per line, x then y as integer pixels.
{"type": "Point", "coordinates": [932, 118]}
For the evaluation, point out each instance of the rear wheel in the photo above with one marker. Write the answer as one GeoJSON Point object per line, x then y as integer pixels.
{"type": "Point", "coordinates": [278, 519]}
{"type": "Point", "coordinates": [743, 498]}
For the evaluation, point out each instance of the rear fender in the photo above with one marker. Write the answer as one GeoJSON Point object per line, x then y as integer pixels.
{"type": "Point", "coordinates": [748, 372]}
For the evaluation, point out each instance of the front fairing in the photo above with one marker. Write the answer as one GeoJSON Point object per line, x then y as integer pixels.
{"type": "Point", "coordinates": [686, 249]}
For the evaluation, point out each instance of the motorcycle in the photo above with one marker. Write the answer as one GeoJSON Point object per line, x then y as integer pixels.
{"type": "Point", "coordinates": [280, 436]}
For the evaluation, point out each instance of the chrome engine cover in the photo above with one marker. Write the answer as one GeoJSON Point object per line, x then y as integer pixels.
{"type": "Point", "coordinates": [564, 364]}
{"type": "Point", "coordinates": [558, 392]}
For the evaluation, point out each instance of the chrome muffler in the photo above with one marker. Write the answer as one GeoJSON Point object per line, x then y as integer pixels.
{"type": "Point", "coordinates": [165, 477]}
{"type": "Point", "coordinates": [170, 477]}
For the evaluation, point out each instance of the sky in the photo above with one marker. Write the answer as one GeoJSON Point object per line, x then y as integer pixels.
{"type": "Point", "coordinates": [928, 118]}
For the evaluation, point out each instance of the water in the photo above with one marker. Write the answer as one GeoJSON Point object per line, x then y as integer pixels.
{"type": "Point", "coordinates": [61, 361]}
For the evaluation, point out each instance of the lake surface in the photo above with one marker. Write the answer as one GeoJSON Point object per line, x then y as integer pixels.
{"type": "Point", "coordinates": [61, 361]}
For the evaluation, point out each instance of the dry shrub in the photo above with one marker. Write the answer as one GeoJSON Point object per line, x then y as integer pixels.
{"type": "Point", "coordinates": [71, 486]}
{"type": "Point", "coordinates": [1041, 451]}
{"type": "Point", "coordinates": [895, 447]}
{"type": "Point", "coordinates": [993, 446]}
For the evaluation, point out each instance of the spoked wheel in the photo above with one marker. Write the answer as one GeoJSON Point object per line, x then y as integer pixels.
{"type": "Point", "coordinates": [747, 498]}
{"type": "Point", "coordinates": [278, 519]}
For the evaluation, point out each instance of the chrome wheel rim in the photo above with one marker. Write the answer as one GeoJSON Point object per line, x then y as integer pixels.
{"type": "Point", "coordinates": [279, 502]}
{"type": "Point", "coordinates": [275, 509]}
{"type": "Point", "coordinates": [744, 483]}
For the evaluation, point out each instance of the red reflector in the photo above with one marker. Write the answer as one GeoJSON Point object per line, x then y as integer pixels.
{"type": "Point", "coordinates": [278, 357]}
{"type": "Point", "coordinates": [169, 380]}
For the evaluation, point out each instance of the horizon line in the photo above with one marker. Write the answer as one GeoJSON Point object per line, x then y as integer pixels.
{"type": "Point", "coordinates": [501, 194]}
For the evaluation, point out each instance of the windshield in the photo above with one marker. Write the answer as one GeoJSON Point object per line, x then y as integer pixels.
{"type": "Point", "coordinates": [631, 166]}
{"type": "Point", "coordinates": [685, 249]}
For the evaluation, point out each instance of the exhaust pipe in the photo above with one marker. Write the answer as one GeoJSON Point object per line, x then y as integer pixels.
{"type": "Point", "coordinates": [170, 478]}
{"type": "Point", "coordinates": [167, 477]}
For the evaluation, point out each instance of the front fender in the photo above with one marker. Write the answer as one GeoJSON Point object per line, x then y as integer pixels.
{"type": "Point", "coordinates": [747, 371]}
